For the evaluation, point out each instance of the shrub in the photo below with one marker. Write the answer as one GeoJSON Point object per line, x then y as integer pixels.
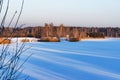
{"type": "Point", "coordinates": [5, 41]}
{"type": "Point", "coordinates": [74, 39]}
{"type": "Point", "coordinates": [49, 39]}
{"type": "Point", "coordinates": [25, 40]}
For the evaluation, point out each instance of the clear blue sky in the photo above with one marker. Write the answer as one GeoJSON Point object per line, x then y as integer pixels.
{"type": "Point", "coordinates": [69, 12]}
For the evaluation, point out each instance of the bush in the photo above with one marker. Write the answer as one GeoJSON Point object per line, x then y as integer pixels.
{"type": "Point", "coordinates": [74, 39]}
{"type": "Point", "coordinates": [5, 41]}
{"type": "Point", "coordinates": [25, 40]}
{"type": "Point", "coordinates": [49, 39]}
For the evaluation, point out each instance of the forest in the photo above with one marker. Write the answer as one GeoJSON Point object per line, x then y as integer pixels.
{"type": "Point", "coordinates": [49, 30]}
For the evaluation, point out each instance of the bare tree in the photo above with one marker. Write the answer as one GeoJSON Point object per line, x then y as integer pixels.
{"type": "Point", "coordinates": [10, 66]}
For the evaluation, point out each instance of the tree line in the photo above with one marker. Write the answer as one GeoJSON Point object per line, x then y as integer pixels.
{"type": "Point", "coordinates": [49, 30]}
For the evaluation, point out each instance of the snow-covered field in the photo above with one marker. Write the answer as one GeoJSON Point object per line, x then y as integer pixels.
{"type": "Point", "coordinates": [84, 60]}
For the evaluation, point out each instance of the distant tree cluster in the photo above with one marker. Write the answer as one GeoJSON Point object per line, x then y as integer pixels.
{"type": "Point", "coordinates": [49, 30]}
{"type": "Point", "coordinates": [96, 35]}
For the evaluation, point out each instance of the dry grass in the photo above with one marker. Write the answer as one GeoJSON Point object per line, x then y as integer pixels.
{"type": "Point", "coordinates": [74, 39]}
{"type": "Point", "coordinates": [54, 39]}
{"type": "Point", "coordinates": [25, 40]}
{"type": "Point", "coordinates": [5, 41]}
{"type": "Point", "coordinates": [49, 39]}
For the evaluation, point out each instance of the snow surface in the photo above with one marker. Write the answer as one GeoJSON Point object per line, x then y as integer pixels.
{"type": "Point", "coordinates": [19, 39]}
{"type": "Point", "coordinates": [84, 60]}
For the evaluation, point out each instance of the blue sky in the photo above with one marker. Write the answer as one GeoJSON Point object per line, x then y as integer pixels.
{"type": "Point", "coordinates": [69, 12]}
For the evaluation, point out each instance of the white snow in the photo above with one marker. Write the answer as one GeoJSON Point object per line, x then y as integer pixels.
{"type": "Point", "coordinates": [88, 59]}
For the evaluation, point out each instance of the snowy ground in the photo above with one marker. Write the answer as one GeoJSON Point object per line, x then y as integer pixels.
{"type": "Point", "coordinates": [84, 60]}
